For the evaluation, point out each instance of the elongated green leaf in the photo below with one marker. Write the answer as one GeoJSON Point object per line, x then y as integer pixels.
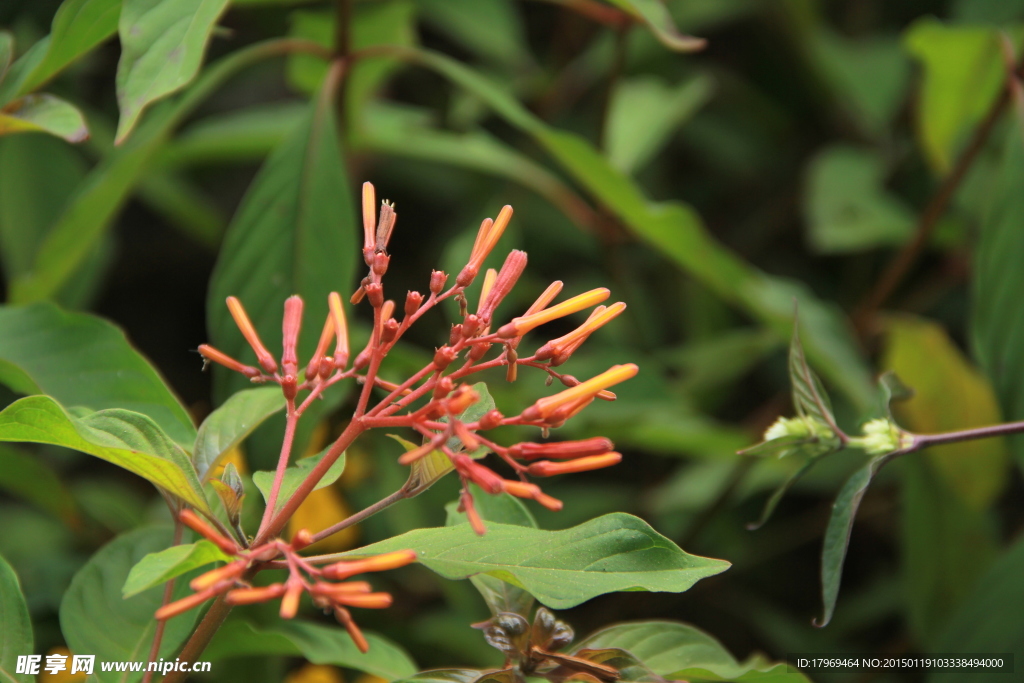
{"type": "Point", "coordinates": [96, 619]}
{"type": "Point", "coordinates": [987, 620]}
{"type": "Point", "coordinates": [616, 552]}
{"type": "Point", "coordinates": [43, 114]}
{"type": "Point", "coordinates": [76, 232]}
{"type": "Point", "coordinates": [82, 360]}
{"type": "Point", "coordinates": [296, 474]}
{"type": "Point", "coordinates": [656, 15]}
{"type": "Point", "coordinates": [244, 135]}
{"type": "Point", "coordinates": [78, 26]}
{"type": "Point", "coordinates": [227, 426]}
{"type": "Point", "coordinates": [162, 46]}
{"type": "Point", "coordinates": [293, 234]}
{"type": "Point", "coordinates": [676, 230]}
{"type": "Point", "coordinates": [809, 397]}
{"type": "Point", "coordinates": [26, 476]}
{"type": "Point", "coordinates": [15, 626]}
{"type": "Point", "coordinates": [837, 534]}
{"type": "Point", "coordinates": [6, 52]}
{"type": "Point", "coordinates": [644, 113]}
{"type": "Point", "coordinates": [130, 440]}
{"type": "Point", "coordinates": [780, 492]}
{"type": "Point", "coordinates": [157, 568]}
{"type": "Point", "coordinates": [319, 644]}
{"type": "Point", "coordinates": [997, 336]}
{"type": "Point", "coordinates": [675, 650]}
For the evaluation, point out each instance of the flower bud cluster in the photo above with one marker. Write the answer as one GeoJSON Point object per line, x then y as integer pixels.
{"type": "Point", "coordinates": [328, 586]}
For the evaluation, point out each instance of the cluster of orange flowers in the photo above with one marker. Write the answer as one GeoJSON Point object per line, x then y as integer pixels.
{"type": "Point", "coordinates": [432, 400]}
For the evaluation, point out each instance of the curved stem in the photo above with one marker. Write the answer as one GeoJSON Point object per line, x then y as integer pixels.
{"type": "Point", "coordinates": [381, 504]}
{"type": "Point", "coordinates": [158, 635]}
{"type": "Point", "coordinates": [201, 637]}
{"type": "Point", "coordinates": [291, 422]}
{"type": "Point", "coordinates": [924, 440]}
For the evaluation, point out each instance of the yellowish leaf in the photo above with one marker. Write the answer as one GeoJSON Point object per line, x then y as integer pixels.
{"type": "Point", "coordinates": [949, 394]}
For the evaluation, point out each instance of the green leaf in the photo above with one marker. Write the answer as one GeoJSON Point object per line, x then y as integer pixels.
{"type": "Point", "coordinates": [446, 676]}
{"type": "Point", "coordinates": [82, 360]}
{"type": "Point", "coordinates": [847, 208]}
{"type": "Point", "coordinates": [318, 644]}
{"type": "Point", "coordinates": [963, 73]}
{"type": "Point", "coordinates": [492, 29]}
{"type": "Point", "coordinates": [812, 457]}
{"type": "Point", "coordinates": [162, 46]}
{"type": "Point", "coordinates": [43, 114]}
{"type": "Point", "coordinates": [230, 424]}
{"type": "Point", "coordinates": [129, 440]}
{"type": "Point", "coordinates": [29, 477]}
{"type": "Point", "coordinates": [15, 626]}
{"type": "Point", "coordinates": [296, 474]}
{"type": "Point", "coordinates": [947, 544]}
{"type": "Point", "coordinates": [645, 112]}
{"type": "Point", "coordinates": [809, 397]}
{"type": "Point", "coordinates": [294, 233]}
{"type": "Point", "coordinates": [6, 52]}
{"type": "Point", "coordinates": [616, 552]}
{"type": "Point", "coordinates": [997, 339]}
{"type": "Point", "coordinates": [503, 508]}
{"type": "Point", "coordinates": [675, 650]}
{"type": "Point", "coordinates": [157, 568]}
{"type": "Point", "coordinates": [78, 27]}
{"type": "Point", "coordinates": [656, 15]}
{"type": "Point", "coordinates": [41, 174]}
{"type": "Point", "coordinates": [988, 619]}
{"type": "Point", "coordinates": [84, 221]}
{"type": "Point", "coordinates": [677, 232]}
{"type": "Point", "coordinates": [242, 135]}
{"type": "Point", "coordinates": [96, 619]}
{"type": "Point", "coordinates": [837, 534]}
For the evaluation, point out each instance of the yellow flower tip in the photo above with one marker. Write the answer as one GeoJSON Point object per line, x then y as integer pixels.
{"type": "Point", "coordinates": [546, 468]}
{"type": "Point", "coordinates": [523, 324]}
{"type": "Point", "coordinates": [369, 219]}
{"type": "Point", "coordinates": [546, 407]}
{"type": "Point", "coordinates": [565, 345]}
{"type": "Point", "coordinates": [290, 601]}
{"type": "Point", "coordinates": [341, 350]}
{"type": "Point", "coordinates": [485, 289]}
{"type": "Point", "coordinates": [545, 298]}
{"type": "Point", "coordinates": [245, 326]}
{"type": "Point", "coordinates": [326, 335]}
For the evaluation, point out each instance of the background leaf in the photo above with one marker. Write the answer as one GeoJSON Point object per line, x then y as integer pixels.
{"type": "Point", "coordinates": [561, 569]}
{"type": "Point", "coordinates": [78, 27]}
{"type": "Point", "coordinates": [15, 626]}
{"type": "Point", "coordinates": [81, 360]}
{"type": "Point", "coordinates": [96, 619]}
{"type": "Point", "coordinates": [162, 46]}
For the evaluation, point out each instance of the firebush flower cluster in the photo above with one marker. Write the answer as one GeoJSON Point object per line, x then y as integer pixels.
{"type": "Point", "coordinates": [429, 402]}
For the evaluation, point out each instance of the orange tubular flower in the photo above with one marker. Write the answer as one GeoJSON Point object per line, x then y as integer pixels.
{"type": "Point", "coordinates": [346, 568]}
{"type": "Point", "coordinates": [545, 407]}
{"type": "Point", "coordinates": [570, 342]}
{"type": "Point", "coordinates": [486, 239]}
{"type": "Point", "coordinates": [266, 360]}
{"type": "Point", "coordinates": [341, 351]}
{"type": "Point", "coordinates": [369, 222]}
{"type": "Point", "coordinates": [212, 354]}
{"type": "Point", "coordinates": [546, 468]}
{"type": "Point", "coordinates": [523, 324]}
{"type": "Point", "coordinates": [313, 368]}
{"type": "Point", "coordinates": [561, 449]}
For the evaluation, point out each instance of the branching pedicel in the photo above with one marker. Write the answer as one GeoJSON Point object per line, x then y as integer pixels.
{"type": "Point", "coordinates": [430, 402]}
